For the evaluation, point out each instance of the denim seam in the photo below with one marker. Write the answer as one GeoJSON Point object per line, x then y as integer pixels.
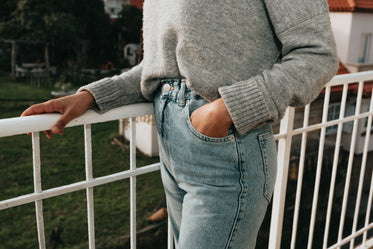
{"type": "Point", "coordinates": [240, 197]}
{"type": "Point", "coordinates": [262, 138]}
{"type": "Point", "coordinates": [161, 124]}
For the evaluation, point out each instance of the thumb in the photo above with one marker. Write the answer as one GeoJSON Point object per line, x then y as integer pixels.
{"type": "Point", "coordinates": [61, 123]}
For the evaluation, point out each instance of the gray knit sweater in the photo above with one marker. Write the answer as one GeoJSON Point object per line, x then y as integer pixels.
{"type": "Point", "coordinates": [260, 56]}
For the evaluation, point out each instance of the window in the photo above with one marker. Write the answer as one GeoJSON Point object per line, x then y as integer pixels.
{"type": "Point", "coordinates": [365, 42]}
{"type": "Point", "coordinates": [129, 51]}
{"type": "Point", "coordinates": [333, 114]}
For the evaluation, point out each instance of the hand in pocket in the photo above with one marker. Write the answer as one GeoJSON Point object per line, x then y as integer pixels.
{"type": "Point", "coordinates": [212, 119]}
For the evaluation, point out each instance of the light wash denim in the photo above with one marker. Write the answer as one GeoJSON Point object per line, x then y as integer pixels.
{"type": "Point", "coordinates": [217, 189]}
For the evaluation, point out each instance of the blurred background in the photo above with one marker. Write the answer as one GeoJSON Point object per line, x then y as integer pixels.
{"type": "Point", "coordinates": [68, 42]}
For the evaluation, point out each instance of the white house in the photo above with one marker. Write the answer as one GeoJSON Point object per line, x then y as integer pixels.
{"type": "Point", "coordinates": [131, 53]}
{"type": "Point", "coordinates": [114, 7]}
{"type": "Point", "coordinates": [352, 23]}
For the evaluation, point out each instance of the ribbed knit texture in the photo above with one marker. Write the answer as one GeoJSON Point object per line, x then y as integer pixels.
{"type": "Point", "coordinates": [110, 92]}
{"type": "Point", "coordinates": [255, 104]}
{"type": "Point", "coordinates": [260, 56]}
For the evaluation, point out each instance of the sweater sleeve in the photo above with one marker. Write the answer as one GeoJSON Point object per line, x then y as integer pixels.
{"type": "Point", "coordinates": [123, 89]}
{"type": "Point", "coordinates": [308, 61]}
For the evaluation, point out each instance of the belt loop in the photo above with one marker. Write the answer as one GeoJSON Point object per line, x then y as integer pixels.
{"type": "Point", "coordinates": [182, 93]}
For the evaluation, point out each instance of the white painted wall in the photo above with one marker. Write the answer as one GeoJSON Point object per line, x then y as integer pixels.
{"type": "Point", "coordinates": [348, 28]}
{"type": "Point", "coordinates": [146, 135]}
{"type": "Point", "coordinates": [341, 24]}
{"type": "Point", "coordinates": [361, 23]}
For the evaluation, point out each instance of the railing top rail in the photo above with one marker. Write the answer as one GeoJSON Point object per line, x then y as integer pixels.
{"type": "Point", "coordinates": [350, 78]}
{"type": "Point", "coordinates": [17, 126]}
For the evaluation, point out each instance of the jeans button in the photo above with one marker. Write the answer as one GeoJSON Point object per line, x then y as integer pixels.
{"type": "Point", "coordinates": [166, 87]}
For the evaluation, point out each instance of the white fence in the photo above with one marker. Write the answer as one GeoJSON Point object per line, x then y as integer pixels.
{"type": "Point", "coordinates": [34, 124]}
{"type": "Point", "coordinates": [284, 149]}
{"type": "Point", "coordinates": [359, 237]}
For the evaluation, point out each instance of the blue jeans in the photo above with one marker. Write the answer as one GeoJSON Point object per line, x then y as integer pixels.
{"type": "Point", "coordinates": [217, 189]}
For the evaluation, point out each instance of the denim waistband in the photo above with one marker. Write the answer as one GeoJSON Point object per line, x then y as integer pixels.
{"type": "Point", "coordinates": [176, 90]}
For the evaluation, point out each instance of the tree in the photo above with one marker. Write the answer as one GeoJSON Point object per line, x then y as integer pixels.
{"type": "Point", "coordinates": [6, 9]}
{"type": "Point", "coordinates": [76, 29]}
{"type": "Point", "coordinates": [129, 24]}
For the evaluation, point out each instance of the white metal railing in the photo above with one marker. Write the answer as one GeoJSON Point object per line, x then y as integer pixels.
{"type": "Point", "coordinates": [35, 124]}
{"type": "Point", "coordinates": [284, 149]}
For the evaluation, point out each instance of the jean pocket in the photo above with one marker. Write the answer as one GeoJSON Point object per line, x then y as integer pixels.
{"type": "Point", "coordinates": [203, 137]}
{"type": "Point", "coordinates": [268, 150]}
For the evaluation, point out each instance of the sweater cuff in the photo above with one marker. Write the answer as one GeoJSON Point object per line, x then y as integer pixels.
{"type": "Point", "coordinates": [102, 94]}
{"type": "Point", "coordinates": [246, 106]}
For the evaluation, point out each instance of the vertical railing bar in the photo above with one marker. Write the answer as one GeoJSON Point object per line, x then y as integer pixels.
{"type": "Point", "coordinates": [170, 236]}
{"type": "Point", "coordinates": [318, 169]}
{"type": "Point", "coordinates": [364, 160]}
{"type": "Point", "coordinates": [369, 208]}
{"type": "Point", "coordinates": [88, 151]}
{"type": "Point", "coordinates": [89, 191]}
{"type": "Point", "coordinates": [37, 188]}
{"type": "Point", "coordinates": [300, 176]}
{"type": "Point", "coordinates": [350, 161]}
{"type": "Point", "coordinates": [284, 151]}
{"type": "Point", "coordinates": [362, 172]}
{"type": "Point", "coordinates": [133, 182]}
{"type": "Point", "coordinates": [335, 166]}
{"type": "Point", "coordinates": [279, 195]}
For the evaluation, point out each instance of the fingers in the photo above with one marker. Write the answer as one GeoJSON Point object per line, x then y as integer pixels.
{"type": "Point", "coordinates": [46, 107]}
{"type": "Point", "coordinates": [70, 107]}
{"type": "Point", "coordinates": [57, 127]}
{"type": "Point", "coordinates": [48, 134]}
{"type": "Point", "coordinates": [61, 123]}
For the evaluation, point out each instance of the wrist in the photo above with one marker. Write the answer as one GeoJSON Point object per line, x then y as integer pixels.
{"type": "Point", "coordinates": [88, 98]}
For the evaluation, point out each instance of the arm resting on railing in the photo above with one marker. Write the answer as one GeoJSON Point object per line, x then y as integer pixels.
{"type": "Point", "coordinates": [34, 123]}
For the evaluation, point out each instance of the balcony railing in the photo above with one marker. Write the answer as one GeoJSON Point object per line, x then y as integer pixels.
{"type": "Point", "coordinates": [360, 235]}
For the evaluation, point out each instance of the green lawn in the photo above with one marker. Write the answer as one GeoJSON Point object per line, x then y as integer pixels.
{"type": "Point", "coordinates": [62, 160]}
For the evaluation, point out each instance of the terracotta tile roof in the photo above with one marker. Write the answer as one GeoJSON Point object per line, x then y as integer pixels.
{"type": "Point", "coordinates": [351, 5]}
{"type": "Point", "coordinates": [137, 3]}
{"type": "Point", "coordinates": [367, 89]}
{"type": "Point", "coordinates": [342, 69]}
{"type": "Point", "coordinates": [353, 88]}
